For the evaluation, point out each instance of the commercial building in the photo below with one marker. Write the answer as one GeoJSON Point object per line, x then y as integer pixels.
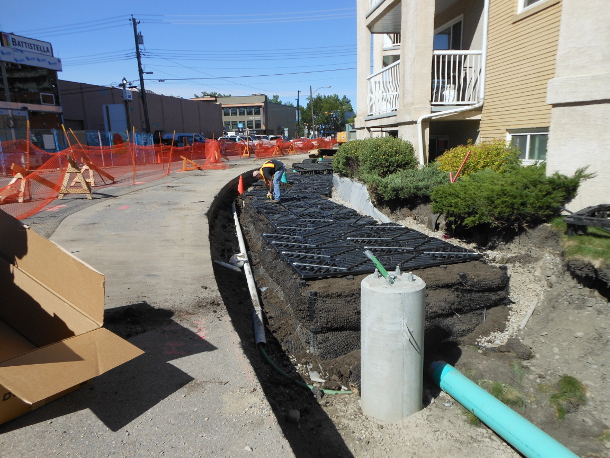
{"type": "Point", "coordinates": [28, 86]}
{"type": "Point", "coordinates": [254, 113]}
{"type": "Point", "coordinates": [532, 72]}
{"type": "Point", "coordinates": [93, 108]}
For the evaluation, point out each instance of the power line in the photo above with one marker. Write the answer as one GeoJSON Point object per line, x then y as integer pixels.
{"type": "Point", "coordinates": [77, 25]}
{"type": "Point", "coordinates": [252, 76]}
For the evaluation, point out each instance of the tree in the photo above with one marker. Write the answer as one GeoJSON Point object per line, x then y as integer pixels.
{"type": "Point", "coordinates": [276, 99]}
{"type": "Point", "coordinates": [211, 94]}
{"type": "Point", "coordinates": [330, 112]}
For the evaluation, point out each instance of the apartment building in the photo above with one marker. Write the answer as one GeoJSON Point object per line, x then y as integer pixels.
{"type": "Point", "coordinates": [255, 114]}
{"type": "Point", "coordinates": [443, 72]}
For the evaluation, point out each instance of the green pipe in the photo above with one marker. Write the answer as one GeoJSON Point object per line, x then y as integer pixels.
{"type": "Point", "coordinates": [516, 430]}
{"type": "Point", "coordinates": [298, 382]}
{"type": "Point", "coordinates": [369, 254]}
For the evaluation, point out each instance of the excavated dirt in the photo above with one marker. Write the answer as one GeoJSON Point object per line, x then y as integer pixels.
{"type": "Point", "coordinates": [547, 325]}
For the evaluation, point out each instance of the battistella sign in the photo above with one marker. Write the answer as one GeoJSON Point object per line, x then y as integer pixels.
{"type": "Point", "coordinates": [27, 44]}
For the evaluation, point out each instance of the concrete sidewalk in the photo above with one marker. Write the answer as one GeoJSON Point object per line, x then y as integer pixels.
{"type": "Point", "coordinates": [193, 392]}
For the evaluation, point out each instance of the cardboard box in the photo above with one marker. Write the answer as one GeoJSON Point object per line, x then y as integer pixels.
{"type": "Point", "coordinates": [51, 317]}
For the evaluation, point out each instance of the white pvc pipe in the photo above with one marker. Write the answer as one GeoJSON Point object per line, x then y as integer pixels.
{"type": "Point", "coordinates": [259, 327]}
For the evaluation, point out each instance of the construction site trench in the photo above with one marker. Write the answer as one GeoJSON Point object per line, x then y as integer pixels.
{"type": "Point", "coordinates": [307, 257]}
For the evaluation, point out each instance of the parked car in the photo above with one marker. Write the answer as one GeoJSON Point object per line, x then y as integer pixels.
{"type": "Point", "coordinates": [182, 139]}
{"type": "Point", "coordinates": [230, 138]}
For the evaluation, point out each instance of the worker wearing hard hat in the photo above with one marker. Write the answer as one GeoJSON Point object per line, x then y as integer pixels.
{"type": "Point", "coordinates": [271, 172]}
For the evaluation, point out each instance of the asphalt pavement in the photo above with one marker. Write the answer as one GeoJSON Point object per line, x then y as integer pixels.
{"type": "Point", "coordinates": [193, 392]}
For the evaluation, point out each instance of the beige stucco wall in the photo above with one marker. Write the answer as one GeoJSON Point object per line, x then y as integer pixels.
{"type": "Point", "coordinates": [579, 95]}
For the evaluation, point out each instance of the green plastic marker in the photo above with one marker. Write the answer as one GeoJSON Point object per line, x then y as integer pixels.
{"type": "Point", "coordinates": [382, 270]}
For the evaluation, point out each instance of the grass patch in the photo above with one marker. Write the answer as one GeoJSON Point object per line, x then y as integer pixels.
{"type": "Point", "coordinates": [518, 372]}
{"type": "Point", "coordinates": [593, 246]}
{"type": "Point", "coordinates": [471, 418]}
{"type": "Point", "coordinates": [507, 394]}
{"type": "Point", "coordinates": [569, 395]}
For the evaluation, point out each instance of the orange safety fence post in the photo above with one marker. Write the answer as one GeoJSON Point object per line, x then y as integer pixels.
{"type": "Point", "coordinates": [132, 153]}
{"type": "Point", "coordinates": [171, 154]}
{"type": "Point", "coordinates": [80, 144]}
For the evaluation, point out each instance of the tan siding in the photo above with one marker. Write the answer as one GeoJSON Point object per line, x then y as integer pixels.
{"type": "Point", "coordinates": [520, 61]}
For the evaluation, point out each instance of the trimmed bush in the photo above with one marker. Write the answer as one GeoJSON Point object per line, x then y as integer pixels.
{"type": "Point", "coordinates": [411, 185]}
{"type": "Point", "coordinates": [519, 198]}
{"type": "Point", "coordinates": [345, 160]}
{"type": "Point", "coordinates": [385, 155]}
{"type": "Point", "coordinates": [496, 155]}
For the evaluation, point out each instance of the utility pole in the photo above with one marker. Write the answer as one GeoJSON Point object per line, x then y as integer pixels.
{"type": "Point", "coordinates": [298, 115]}
{"type": "Point", "coordinates": [311, 105]}
{"type": "Point", "coordinates": [140, 40]}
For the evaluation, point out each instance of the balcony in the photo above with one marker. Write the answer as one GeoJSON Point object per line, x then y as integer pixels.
{"type": "Point", "coordinates": [456, 77]}
{"type": "Point", "coordinates": [384, 90]}
{"type": "Point", "coordinates": [456, 80]}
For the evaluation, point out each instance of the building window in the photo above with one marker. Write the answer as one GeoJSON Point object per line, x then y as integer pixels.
{"type": "Point", "coordinates": [227, 125]}
{"type": "Point", "coordinates": [257, 124]}
{"type": "Point", "coordinates": [242, 111]}
{"type": "Point", "coordinates": [525, 4]}
{"type": "Point", "coordinates": [226, 111]}
{"type": "Point", "coordinates": [257, 111]}
{"type": "Point", "coordinates": [532, 143]}
{"type": "Point", "coordinates": [234, 125]}
{"type": "Point", "coordinates": [250, 124]}
{"type": "Point", "coordinates": [449, 36]}
{"type": "Point", "coordinates": [233, 111]}
{"type": "Point", "coordinates": [249, 111]}
{"type": "Point", "coordinates": [26, 83]}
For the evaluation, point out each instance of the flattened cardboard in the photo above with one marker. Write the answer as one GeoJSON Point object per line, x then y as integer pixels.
{"type": "Point", "coordinates": [54, 267]}
{"type": "Point", "coordinates": [51, 316]}
{"type": "Point", "coordinates": [44, 372]}
{"type": "Point", "coordinates": [12, 343]}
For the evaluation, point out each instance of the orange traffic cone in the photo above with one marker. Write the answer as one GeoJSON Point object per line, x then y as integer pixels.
{"type": "Point", "coordinates": [240, 185]}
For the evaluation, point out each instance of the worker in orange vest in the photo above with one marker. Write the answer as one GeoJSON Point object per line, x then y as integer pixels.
{"type": "Point", "coordinates": [271, 172]}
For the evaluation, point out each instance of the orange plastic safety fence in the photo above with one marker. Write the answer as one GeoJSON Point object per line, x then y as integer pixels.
{"type": "Point", "coordinates": [37, 176]}
{"type": "Point", "coordinates": [213, 156]}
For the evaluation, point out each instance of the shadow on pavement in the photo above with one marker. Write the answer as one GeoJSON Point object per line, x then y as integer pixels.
{"type": "Point", "coordinates": [125, 393]}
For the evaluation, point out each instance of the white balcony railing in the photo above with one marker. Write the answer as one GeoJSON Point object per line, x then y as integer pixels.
{"type": "Point", "coordinates": [456, 77]}
{"type": "Point", "coordinates": [456, 80]}
{"type": "Point", "coordinates": [384, 89]}
{"type": "Point", "coordinates": [391, 41]}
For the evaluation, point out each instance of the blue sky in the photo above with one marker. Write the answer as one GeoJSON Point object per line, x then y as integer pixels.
{"type": "Point", "coordinates": [197, 46]}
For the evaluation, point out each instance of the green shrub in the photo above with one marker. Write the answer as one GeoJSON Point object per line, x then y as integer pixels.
{"type": "Point", "coordinates": [495, 155]}
{"type": "Point", "coordinates": [408, 185]}
{"type": "Point", "coordinates": [519, 198]}
{"type": "Point", "coordinates": [385, 155]}
{"type": "Point", "coordinates": [345, 160]}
